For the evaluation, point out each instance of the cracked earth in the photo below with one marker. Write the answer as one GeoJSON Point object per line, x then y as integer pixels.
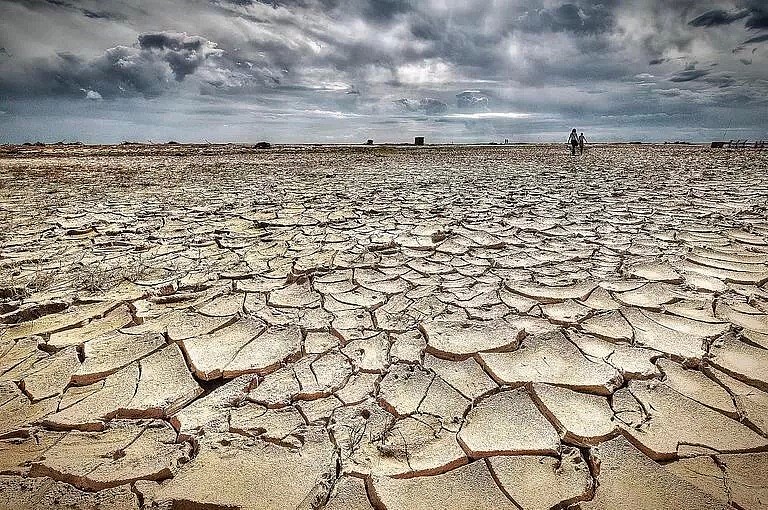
{"type": "Point", "coordinates": [219, 328]}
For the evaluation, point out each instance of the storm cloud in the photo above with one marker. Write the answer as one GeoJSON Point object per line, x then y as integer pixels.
{"type": "Point", "coordinates": [718, 17]}
{"type": "Point", "coordinates": [332, 70]}
{"type": "Point", "coordinates": [755, 11]}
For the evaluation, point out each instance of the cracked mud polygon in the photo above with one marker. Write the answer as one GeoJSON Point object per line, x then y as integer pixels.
{"type": "Point", "coordinates": [447, 327]}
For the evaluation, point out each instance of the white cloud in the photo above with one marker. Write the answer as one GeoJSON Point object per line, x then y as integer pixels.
{"type": "Point", "coordinates": [489, 115]}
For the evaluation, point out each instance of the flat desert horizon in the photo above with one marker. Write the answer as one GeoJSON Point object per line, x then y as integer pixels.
{"type": "Point", "coordinates": [510, 326]}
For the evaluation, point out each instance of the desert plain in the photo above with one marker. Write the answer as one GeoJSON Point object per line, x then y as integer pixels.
{"type": "Point", "coordinates": [218, 327]}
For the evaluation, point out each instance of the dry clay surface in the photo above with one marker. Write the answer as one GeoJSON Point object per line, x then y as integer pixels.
{"type": "Point", "coordinates": [219, 328]}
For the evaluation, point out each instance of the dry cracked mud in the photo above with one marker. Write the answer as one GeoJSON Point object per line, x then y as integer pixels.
{"type": "Point", "coordinates": [211, 327]}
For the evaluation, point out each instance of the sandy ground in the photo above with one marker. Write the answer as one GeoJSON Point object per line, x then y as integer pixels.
{"type": "Point", "coordinates": [499, 327]}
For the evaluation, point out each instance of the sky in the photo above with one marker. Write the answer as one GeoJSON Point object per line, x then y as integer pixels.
{"type": "Point", "coordinates": [344, 71]}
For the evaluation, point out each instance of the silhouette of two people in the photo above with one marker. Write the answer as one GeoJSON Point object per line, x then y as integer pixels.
{"type": "Point", "coordinates": [576, 141]}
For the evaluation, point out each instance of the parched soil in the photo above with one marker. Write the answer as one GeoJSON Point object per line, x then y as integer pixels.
{"type": "Point", "coordinates": [218, 327]}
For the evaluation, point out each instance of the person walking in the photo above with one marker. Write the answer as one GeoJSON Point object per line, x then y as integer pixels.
{"type": "Point", "coordinates": [573, 139]}
{"type": "Point", "coordinates": [582, 141]}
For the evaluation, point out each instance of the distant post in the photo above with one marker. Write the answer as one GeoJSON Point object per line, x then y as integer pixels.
{"type": "Point", "coordinates": [419, 140]}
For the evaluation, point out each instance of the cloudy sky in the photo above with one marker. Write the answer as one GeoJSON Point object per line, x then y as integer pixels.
{"type": "Point", "coordinates": [348, 70]}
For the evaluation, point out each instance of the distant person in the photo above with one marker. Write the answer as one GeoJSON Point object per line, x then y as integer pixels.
{"type": "Point", "coordinates": [573, 139]}
{"type": "Point", "coordinates": [582, 141]}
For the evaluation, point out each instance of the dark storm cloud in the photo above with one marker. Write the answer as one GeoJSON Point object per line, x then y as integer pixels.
{"type": "Point", "coordinates": [385, 10]}
{"type": "Point", "coordinates": [758, 18]}
{"type": "Point", "coordinates": [756, 12]}
{"type": "Point", "coordinates": [144, 69]}
{"type": "Point", "coordinates": [586, 18]}
{"type": "Point", "coordinates": [93, 13]}
{"type": "Point", "coordinates": [718, 17]}
{"type": "Point", "coordinates": [756, 39]}
{"type": "Point", "coordinates": [471, 59]}
{"type": "Point", "coordinates": [183, 53]}
{"type": "Point", "coordinates": [688, 75]}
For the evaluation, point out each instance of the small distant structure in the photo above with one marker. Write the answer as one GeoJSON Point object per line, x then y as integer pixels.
{"type": "Point", "coordinates": [369, 142]}
{"type": "Point", "coordinates": [419, 140]}
{"type": "Point", "coordinates": [263, 145]}
{"type": "Point", "coordinates": [739, 144]}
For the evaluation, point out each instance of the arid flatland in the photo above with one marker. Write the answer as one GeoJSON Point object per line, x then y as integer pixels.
{"type": "Point", "coordinates": [217, 327]}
